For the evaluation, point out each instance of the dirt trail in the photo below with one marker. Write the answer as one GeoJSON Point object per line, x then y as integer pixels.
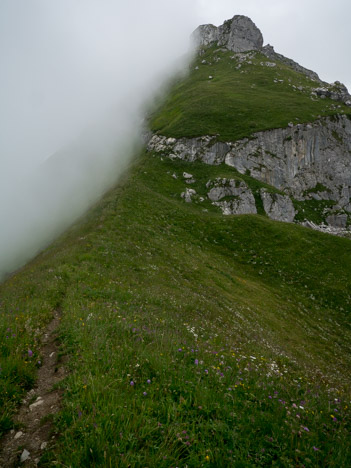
{"type": "Point", "coordinates": [25, 446]}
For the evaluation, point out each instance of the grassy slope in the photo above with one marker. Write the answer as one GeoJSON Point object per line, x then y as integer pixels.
{"type": "Point", "coordinates": [236, 103]}
{"type": "Point", "coordinates": [237, 322]}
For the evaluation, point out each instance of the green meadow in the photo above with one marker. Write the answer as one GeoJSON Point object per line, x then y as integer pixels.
{"type": "Point", "coordinates": [191, 338]}
{"type": "Point", "coordinates": [240, 98]}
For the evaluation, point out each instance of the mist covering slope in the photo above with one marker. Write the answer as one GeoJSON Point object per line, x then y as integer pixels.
{"type": "Point", "coordinates": [192, 338]}
{"type": "Point", "coordinates": [76, 79]}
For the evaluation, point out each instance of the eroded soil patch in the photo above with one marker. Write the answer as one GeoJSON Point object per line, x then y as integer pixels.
{"type": "Point", "coordinates": [25, 446]}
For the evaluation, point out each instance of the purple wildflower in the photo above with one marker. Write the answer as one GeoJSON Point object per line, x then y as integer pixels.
{"type": "Point", "coordinates": [144, 393]}
{"type": "Point", "coordinates": [30, 353]}
{"type": "Point", "coordinates": [306, 429]}
{"type": "Point", "coordinates": [131, 383]}
{"type": "Point", "coordinates": [196, 362]}
{"type": "Point", "coordinates": [148, 381]}
{"type": "Point", "coordinates": [316, 449]}
{"type": "Point", "coordinates": [180, 350]}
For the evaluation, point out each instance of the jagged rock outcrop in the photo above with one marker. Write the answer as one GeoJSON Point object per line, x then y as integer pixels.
{"type": "Point", "coordinates": [278, 207]}
{"type": "Point", "coordinates": [337, 220]}
{"type": "Point", "coordinates": [328, 229]}
{"type": "Point", "coordinates": [221, 188]}
{"type": "Point", "coordinates": [270, 53]}
{"type": "Point", "coordinates": [336, 91]}
{"type": "Point", "coordinates": [206, 149]}
{"type": "Point", "coordinates": [239, 34]}
{"type": "Point", "coordinates": [240, 200]}
{"type": "Point", "coordinates": [243, 201]}
{"type": "Point", "coordinates": [304, 160]}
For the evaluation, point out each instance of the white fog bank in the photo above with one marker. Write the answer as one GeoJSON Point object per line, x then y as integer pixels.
{"type": "Point", "coordinates": [75, 77]}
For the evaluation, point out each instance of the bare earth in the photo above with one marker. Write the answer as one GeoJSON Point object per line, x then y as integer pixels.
{"type": "Point", "coordinates": [25, 446]}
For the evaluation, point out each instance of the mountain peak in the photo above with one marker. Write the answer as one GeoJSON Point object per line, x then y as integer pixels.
{"type": "Point", "coordinates": [239, 34]}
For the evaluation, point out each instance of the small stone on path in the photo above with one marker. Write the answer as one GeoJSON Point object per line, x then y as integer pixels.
{"type": "Point", "coordinates": [38, 402]}
{"type": "Point", "coordinates": [25, 455]}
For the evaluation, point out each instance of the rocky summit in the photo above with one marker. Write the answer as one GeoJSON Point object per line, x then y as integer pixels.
{"type": "Point", "coordinates": [239, 34]}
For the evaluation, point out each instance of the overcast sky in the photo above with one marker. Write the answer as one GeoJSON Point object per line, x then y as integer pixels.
{"type": "Point", "coordinates": [315, 33]}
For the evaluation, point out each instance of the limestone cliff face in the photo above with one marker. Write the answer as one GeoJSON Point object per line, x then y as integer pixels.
{"type": "Point", "coordinates": [306, 161]}
{"type": "Point", "coordinates": [294, 159]}
{"type": "Point", "coordinates": [298, 158]}
{"type": "Point", "coordinates": [205, 149]}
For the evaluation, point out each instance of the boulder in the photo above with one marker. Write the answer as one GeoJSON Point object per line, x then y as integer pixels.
{"type": "Point", "coordinates": [278, 207]}
{"type": "Point", "coordinates": [337, 220]}
{"type": "Point", "coordinates": [243, 201]}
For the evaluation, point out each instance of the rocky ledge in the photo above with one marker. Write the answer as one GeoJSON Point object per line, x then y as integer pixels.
{"type": "Point", "coordinates": [305, 162]}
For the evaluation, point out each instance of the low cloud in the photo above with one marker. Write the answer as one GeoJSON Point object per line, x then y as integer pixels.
{"type": "Point", "coordinates": [75, 78]}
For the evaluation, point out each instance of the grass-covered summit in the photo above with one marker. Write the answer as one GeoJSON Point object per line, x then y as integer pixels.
{"type": "Point", "coordinates": [233, 95]}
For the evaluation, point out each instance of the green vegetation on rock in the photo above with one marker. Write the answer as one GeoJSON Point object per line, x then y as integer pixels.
{"type": "Point", "coordinates": [243, 96]}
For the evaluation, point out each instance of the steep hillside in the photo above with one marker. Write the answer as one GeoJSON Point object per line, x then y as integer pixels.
{"type": "Point", "coordinates": [188, 338]}
{"type": "Point", "coordinates": [233, 95]}
{"type": "Point", "coordinates": [191, 338]}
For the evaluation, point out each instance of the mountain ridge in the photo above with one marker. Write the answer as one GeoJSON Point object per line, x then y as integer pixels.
{"type": "Point", "coordinates": [269, 118]}
{"type": "Point", "coordinates": [240, 34]}
{"type": "Point", "coordinates": [189, 338]}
